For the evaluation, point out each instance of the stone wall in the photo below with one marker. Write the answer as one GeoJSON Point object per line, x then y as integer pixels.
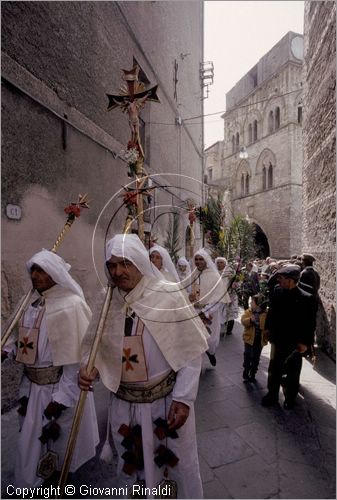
{"type": "Point", "coordinates": [59, 60]}
{"type": "Point", "coordinates": [319, 159]}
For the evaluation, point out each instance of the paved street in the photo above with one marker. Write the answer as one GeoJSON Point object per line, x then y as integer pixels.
{"type": "Point", "coordinates": [245, 450]}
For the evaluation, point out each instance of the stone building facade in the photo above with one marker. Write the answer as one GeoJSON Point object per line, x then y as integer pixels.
{"type": "Point", "coordinates": [319, 158]}
{"type": "Point", "coordinates": [59, 60]}
{"type": "Point", "coordinates": [264, 117]}
{"type": "Point", "coordinates": [213, 158]}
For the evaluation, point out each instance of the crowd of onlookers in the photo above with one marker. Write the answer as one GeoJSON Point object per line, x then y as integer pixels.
{"type": "Point", "coordinates": [280, 301]}
{"type": "Point", "coordinates": [259, 276]}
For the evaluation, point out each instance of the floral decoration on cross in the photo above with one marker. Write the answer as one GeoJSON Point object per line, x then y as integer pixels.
{"type": "Point", "coordinates": [74, 209]}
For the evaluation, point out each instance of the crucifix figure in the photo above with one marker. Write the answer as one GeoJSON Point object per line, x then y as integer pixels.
{"type": "Point", "coordinates": [133, 109]}
{"type": "Point", "coordinates": [131, 99]}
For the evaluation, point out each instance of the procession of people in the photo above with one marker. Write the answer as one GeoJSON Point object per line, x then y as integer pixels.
{"type": "Point", "coordinates": [164, 317]}
{"type": "Point", "coordinates": [150, 337]}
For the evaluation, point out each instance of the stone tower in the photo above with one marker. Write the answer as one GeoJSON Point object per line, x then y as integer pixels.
{"type": "Point", "coordinates": [264, 118]}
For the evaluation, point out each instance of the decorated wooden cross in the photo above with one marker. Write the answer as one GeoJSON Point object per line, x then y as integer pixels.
{"type": "Point", "coordinates": [132, 97]}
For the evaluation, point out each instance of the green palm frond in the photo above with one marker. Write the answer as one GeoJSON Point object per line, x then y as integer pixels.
{"type": "Point", "coordinates": [233, 239]}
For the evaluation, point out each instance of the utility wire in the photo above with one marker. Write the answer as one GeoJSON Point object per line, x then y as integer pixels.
{"type": "Point", "coordinates": [184, 120]}
{"type": "Point", "coordinates": [240, 107]}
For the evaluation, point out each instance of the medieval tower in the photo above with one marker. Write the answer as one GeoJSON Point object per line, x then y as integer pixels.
{"type": "Point", "coordinates": [260, 164]}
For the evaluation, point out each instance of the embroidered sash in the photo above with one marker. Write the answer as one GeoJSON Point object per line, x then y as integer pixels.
{"type": "Point", "coordinates": [43, 376]}
{"type": "Point", "coordinates": [149, 392]}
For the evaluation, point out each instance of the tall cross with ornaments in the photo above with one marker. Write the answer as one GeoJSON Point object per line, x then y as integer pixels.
{"type": "Point", "coordinates": [132, 97]}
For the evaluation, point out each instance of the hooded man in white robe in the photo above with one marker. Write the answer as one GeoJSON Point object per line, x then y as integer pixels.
{"type": "Point", "coordinates": [160, 258]}
{"type": "Point", "coordinates": [48, 344]}
{"type": "Point", "coordinates": [149, 357]}
{"type": "Point", "coordinates": [222, 266]}
{"type": "Point", "coordinates": [208, 293]}
{"type": "Point", "coordinates": [184, 273]}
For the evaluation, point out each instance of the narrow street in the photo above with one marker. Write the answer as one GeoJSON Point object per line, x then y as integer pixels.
{"type": "Point", "coordinates": [245, 450]}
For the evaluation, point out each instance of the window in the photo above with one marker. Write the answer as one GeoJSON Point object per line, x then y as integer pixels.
{"type": "Point", "coordinates": [253, 76]}
{"type": "Point", "coordinates": [277, 118]}
{"type": "Point", "coordinates": [237, 142]}
{"type": "Point", "coordinates": [242, 185]}
{"type": "Point", "coordinates": [271, 122]}
{"type": "Point", "coordinates": [299, 115]}
{"type": "Point", "coordinates": [255, 131]}
{"type": "Point", "coordinates": [210, 173]}
{"type": "Point", "coordinates": [264, 178]}
{"type": "Point", "coordinates": [250, 134]}
{"type": "Point", "coordinates": [270, 175]}
{"type": "Point", "coordinates": [247, 183]}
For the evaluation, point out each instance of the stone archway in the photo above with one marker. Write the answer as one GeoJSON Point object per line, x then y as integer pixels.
{"type": "Point", "coordinates": [261, 242]}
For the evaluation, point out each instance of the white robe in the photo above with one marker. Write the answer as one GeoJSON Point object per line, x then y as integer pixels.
{"type": "Point", "coordinates": [227, 306]}
{"type": "Point", "coordinates": [212, 295]}
{"type": "Point", "coordinates": [66, 391]}
{"type": "Point", "coordinates": [186, 472]}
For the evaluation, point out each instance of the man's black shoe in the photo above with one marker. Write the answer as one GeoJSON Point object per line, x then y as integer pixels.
{"type": "Point", "coordinates": [212, 358]}
{"type": "Point", "coordinates": [288, 405]}
{"type": "Point", "coordinates": [268, 400]}
{"type": "Point", "coordinates": [245, 376]}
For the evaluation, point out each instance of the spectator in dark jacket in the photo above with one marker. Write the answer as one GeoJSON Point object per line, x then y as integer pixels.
{"type": "Point", "coordinates": [309, 275]}
{"type": "Point", "coordinates": [290, 326]}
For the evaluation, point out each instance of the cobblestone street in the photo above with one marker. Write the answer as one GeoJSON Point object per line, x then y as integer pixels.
{"type": "Point", "coordinates": [245, 450]}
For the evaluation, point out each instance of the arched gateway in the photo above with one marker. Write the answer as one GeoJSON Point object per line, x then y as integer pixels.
{"type": "Point", "coordinates": [261, 242]}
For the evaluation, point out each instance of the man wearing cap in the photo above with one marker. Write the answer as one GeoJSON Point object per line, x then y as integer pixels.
{"type": "Point", "coordinates": [290, 325]}
{"type": "Point", "coordinates": [48, 346]}
{"type": "Point", "coordinates": [149, 358]}
{"type": "Point", "coordinates": [309, 275]}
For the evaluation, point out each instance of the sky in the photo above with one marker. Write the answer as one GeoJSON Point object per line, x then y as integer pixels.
{"type": "Point", "coordinates": [237, 35]}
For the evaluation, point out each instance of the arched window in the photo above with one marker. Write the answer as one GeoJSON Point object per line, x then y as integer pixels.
{"type": "Point", "coordinates": [233, 143]}
{"type": "Point", "coordinates": [299, 115]}
{"type": "Point", "coordinates": [247, 183]}
{"type": "Point", "coordinates": [242, 185]}
{"type": "Point", "coordinates": [277, 118]}
{"type": "Point", "coordinates": [270, 176]}
{"type": "Point", "coordinates": [250, 134]}
{"type": "Point", "coordinates": [271, 122]}
{"type": "Point", "coordinates": [255, 130]}
{"type": "Point", "coordinates": [264, 178]}
{"type": "Point", "coordinates": [237, 142]}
